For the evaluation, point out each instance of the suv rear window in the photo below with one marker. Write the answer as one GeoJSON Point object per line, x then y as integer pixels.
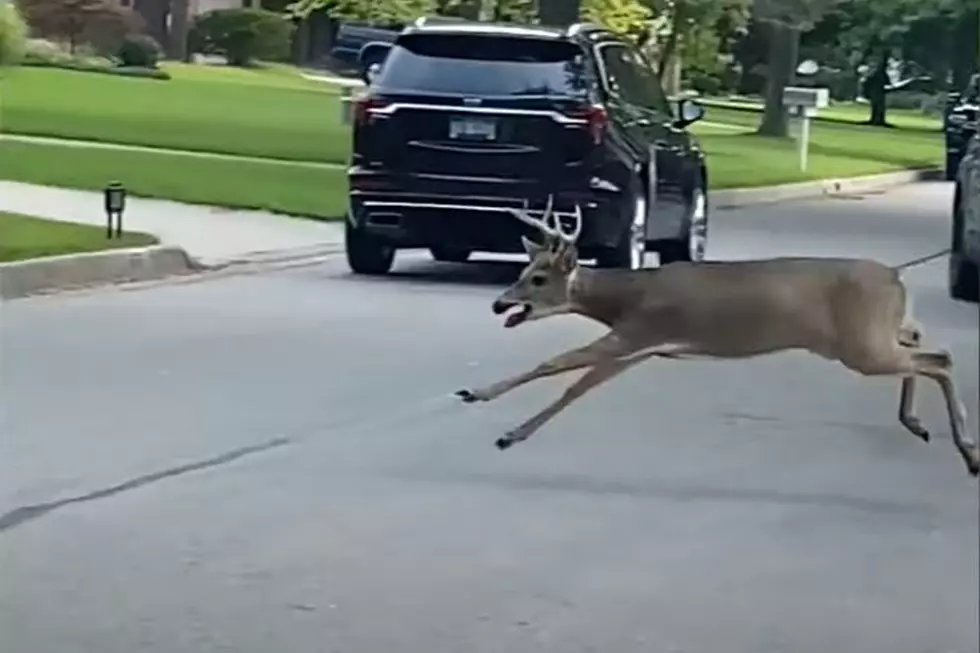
{"type": "Point", "coordinates": [484, 66]}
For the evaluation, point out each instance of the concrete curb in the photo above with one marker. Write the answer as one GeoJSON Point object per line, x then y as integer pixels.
{"type": "Point", "coordinates": [73, 271]}
{"type": "Point", "coordinates": [279, 256]}
{"type": "Point", "coordinates": [742, 197]}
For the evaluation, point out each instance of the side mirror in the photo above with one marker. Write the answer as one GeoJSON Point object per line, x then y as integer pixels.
{"type": "Point", "coordinates": [688, 112]}
{"type": "Point", "coordinates": [370, 57]}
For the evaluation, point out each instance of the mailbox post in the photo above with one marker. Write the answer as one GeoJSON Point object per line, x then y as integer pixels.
{"type": "Point", "coordinates": [346, 105]}
{"type": "Point", "coordinates": [804, 103]}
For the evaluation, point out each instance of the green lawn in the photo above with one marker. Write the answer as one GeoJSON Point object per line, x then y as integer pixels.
{"type": "Point", "coordinates": [280, 187]}
{"type": "Point", "coordinates": [840, 112]}
{"type": "Point", "coordinates": [24, 237]}
{"type": "Point", "coordinates": [836, 150]}
{"type": "Point", "coordinates": [274, 113]}
{"type": "Point", "coordinates": [270, 113]}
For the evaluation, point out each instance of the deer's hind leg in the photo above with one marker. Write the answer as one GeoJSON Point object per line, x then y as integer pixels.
{"type": "Point", "coordinates": [899, 360]}
{"type": "Point", "coordinates": [906, 410]}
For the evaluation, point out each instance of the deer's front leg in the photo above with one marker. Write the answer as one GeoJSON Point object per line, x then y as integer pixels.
{"type": "Point", "coordinates": [598, 374]}
{"type": "Point", "coordinates": [608, 347]}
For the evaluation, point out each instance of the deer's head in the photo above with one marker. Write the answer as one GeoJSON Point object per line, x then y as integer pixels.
{"type": "Point", "coordinates": [541, 290]}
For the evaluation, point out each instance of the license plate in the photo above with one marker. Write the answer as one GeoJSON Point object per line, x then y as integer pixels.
{"type": "Point", "coordinates": [472, 129]}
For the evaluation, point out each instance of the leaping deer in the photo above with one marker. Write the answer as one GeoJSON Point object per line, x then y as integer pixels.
{"type": "Point", "coordinates": [846, 310]}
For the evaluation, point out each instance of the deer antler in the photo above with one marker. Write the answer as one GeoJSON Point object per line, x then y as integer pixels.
{"type": "Point", "coordinates": [541, 224]}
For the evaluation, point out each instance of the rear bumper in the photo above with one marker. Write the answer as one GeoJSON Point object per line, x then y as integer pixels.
{"type": "Point", "coordinates": [474, 213]}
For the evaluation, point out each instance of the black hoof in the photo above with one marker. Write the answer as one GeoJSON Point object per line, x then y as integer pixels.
{"type": "Point", "coordinates": [924, 434]}
{"type": "Point", "coordinates": [467, 396]}
{"type": "Point", "coordinates": [503, 443]}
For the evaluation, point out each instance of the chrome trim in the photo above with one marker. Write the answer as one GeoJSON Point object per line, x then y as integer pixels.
{"type": "Point", "coordinates": [515, 149]}
{"type": "Point", "coordinates": [438, 177]}
{"type": "Point", "coordinates": [558, 117]}
{"type": "Point", "coordinates": [464, 207]}
{"type": "Point", "coordinates": [603, 184]}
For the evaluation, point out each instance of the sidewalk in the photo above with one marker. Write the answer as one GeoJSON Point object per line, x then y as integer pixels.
{"type": "Point", "coordinates": [211, 235]}
{"type": "Point", "coordinates": [75, 142]}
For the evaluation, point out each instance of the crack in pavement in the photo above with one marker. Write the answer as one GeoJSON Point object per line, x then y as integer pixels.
{"type": "Point", "coordinates": [23, 514]}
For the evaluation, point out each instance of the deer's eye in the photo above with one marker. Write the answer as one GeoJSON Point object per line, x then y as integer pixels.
{"type": "Point", "coordinates": [537, 281]}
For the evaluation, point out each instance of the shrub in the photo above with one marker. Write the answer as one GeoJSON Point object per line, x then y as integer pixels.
{"type": "Point", "coordinates": [140, 51]}
{"type": "Point", "coordinates": [13, 35]}
{"type": "Point", "coordinates": [47, 54]}
{"type": "Point", "coordinates": [703, 82]}
{"type": "Point", "coordinates": [44, 51]}
{"type": "Point", "coordinates": [242, 36]}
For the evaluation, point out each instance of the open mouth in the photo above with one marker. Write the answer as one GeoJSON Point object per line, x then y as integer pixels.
{"type": "Point", "coordinates": [516, 317]}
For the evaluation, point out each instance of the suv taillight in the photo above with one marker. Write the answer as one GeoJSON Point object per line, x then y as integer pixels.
{"type": "Point", "coordinates": [596, 119]}
{"type": "Point", "coordinates": [363, 106]}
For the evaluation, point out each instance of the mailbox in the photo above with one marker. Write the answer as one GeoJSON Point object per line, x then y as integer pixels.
{"type": "Point", "coordinates": [804, 103]}
{"type": "Point", "coordinates": [807, 98]}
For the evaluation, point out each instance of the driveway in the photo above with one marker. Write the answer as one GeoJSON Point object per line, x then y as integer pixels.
{"type": "Point", "coordinates": [274, 462]}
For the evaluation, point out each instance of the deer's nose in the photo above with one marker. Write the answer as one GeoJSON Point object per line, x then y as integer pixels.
{"type": "Point", "coordinates": [501, 306]}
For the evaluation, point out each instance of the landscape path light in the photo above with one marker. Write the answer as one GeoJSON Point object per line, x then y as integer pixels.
{"type": "Point", "coordinates": [115, 204]}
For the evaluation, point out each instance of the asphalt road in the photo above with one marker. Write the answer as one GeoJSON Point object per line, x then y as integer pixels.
{"type": "Point", "coordinates": [274, 462]}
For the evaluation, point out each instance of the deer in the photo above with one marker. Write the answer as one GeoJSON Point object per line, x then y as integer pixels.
{"type": "Point", "coordinates": [846, 310]}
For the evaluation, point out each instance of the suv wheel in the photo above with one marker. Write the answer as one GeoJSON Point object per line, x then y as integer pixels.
{"type": "Point", "coordinates": [449, 254]}
{"type": "Point", "coordinates": [692, 246]}
{"type": "Point", "coordinates": [366, 253]}
{"type": "Point", "coordinates": [631, 250]}
{"type": "Point", "coordinates": [963, 273]}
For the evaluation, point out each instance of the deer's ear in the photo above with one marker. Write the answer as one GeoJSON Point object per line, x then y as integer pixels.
{"type": "Point", "coordinates": [531, 247]}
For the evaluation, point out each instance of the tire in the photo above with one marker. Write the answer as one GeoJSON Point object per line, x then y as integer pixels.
{"type": "Point", "coordinates": [952, 166]}
{"type": "Point", "coordinates": [629, 252]}
{"type": "Point", "coordinates": [450, 254]}
{"type": "Point", "coordinates": [366, 253]}
{"type": "Point", "coordinates": [691, 247]}
{"type": "Point", "coordinates": [964, 274]}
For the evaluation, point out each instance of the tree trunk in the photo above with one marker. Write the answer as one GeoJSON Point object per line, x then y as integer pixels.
{"type": "Point", "coordinates": [179, 26]}
{"type": "Point", "coordinates": [784, 45]}
{"type": "Point", "coordinates": [670, 45]}
{"type": "Point", "coordinates": [876, 93]}
{"type": "Point", "coordinates": [672, 78]}
{"type": "Point", "coordinates": [558, 13]}
{"type": "Point", "coordinates": [965, 53]}
{"type": "Point", "coordinates": [154, 14]}
{"type": "Point", "coordinates": [468, 9]}
{"type": "Point", "coordinates": [301, 42]}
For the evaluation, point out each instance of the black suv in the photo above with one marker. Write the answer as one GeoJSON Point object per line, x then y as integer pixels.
{"type": "Point", "coordinates": [964, 256]}
{"type": "Point", "coordinates": [465, 121]}
{"type": "Point", "coordinates": [960, 123]}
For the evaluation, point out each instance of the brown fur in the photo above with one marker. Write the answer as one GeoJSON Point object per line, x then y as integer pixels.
{"type": "Point", "coordinates": [847, 310]}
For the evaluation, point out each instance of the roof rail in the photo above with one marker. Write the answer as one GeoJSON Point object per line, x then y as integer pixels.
{"type": "Point", "coordinates": [422, 21]}
{"type": "Point", "coordinates": [584, 28]}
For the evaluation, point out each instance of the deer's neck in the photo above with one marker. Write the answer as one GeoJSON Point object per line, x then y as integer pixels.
{"type": "Point", "coordinates": [602, 295]}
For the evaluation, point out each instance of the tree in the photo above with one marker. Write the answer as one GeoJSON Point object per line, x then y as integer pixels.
{"type": "Point", "coordinates": [872, 32]}
{"type": "Point", "coordinates": [692, 26]}
{"type": "Point", "coordinates": [81, 21]}
{"type": "Point", "coordinates": [785, 19]}
{"type": "Point", "coordinates": [13, 35]}
{"type": "Point", "coordinates": [559, 12]}
{"type": "Point", "coordinates": [377, 11]}
{"type": "Point", "coordinates": [180, 26]}
{"type": "Point", "coordinates": [628, 18]}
